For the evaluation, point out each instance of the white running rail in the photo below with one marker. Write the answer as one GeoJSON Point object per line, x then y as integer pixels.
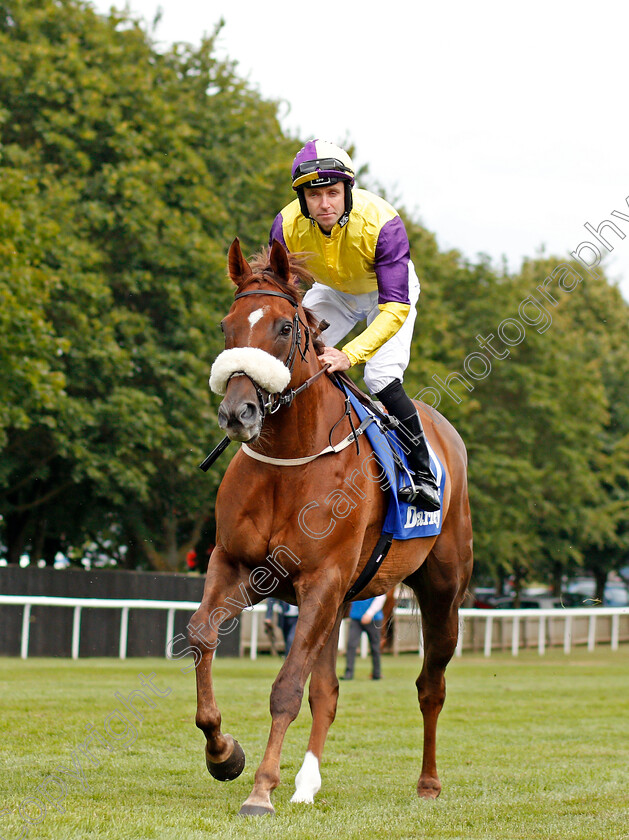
{"type": "Point", "coordinates": [512, 621]}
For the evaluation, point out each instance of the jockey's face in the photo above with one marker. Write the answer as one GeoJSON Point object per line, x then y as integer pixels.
{"type": "Point", "coordinates": [326, 205]}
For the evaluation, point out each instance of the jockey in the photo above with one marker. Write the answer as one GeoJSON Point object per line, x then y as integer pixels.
{"type": "Point", "coordinates": [360, 255]}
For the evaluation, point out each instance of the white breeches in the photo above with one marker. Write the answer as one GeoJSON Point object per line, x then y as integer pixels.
{"type": "Point", "coordinates": [344, 311]}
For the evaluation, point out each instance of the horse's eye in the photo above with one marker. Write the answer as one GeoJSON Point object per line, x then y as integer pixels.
{"type": "Point", "coordinates": [286, 329]}
{"type": "Point", "coordinates": [221, 326]}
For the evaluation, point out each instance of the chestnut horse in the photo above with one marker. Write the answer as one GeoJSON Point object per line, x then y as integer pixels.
{"type": "Point", "coordinates": [300, 525]}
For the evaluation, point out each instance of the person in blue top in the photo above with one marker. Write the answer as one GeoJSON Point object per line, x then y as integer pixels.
{"type": "Point", "coordinates": [358, 250]}
{"type": "Point", "coordinates": [365, 617]}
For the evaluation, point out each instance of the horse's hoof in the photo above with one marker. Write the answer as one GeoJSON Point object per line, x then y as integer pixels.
{"type": "Point", "coordinates": [229, 769]}
{"type": "Point", "coordinates": [256, 811]}
{"type": "Point", "coordinates": [429, 788]}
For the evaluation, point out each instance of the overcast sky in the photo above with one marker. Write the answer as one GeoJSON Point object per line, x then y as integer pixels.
{"type": "Point", "coordinates": [502, 127]}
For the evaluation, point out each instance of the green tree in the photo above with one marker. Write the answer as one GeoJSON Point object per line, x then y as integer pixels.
{"type": "Point", "coordinates": [142, 166]}
{"type": "Point", "coordinates": [600, 315]}
{"type": "Point", "coordinates": [532, 416]}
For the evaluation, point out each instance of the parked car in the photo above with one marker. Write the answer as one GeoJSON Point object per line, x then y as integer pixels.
{"type": "Point", "coordinates": [483, 598]}
{"type": "Point", "coordinates": [616, 594]}
{"type": "Point", "coordinates": [526, 603]}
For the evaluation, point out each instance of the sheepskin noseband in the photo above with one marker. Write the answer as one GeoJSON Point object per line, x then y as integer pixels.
{"type": "Point", "coordinates": [265, 370]}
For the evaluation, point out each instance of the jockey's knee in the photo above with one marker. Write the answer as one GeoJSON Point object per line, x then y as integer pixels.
{"type": "Point", "coordinates": [396, 401]}
{"type": "Point", "coordinates": [391, 389]}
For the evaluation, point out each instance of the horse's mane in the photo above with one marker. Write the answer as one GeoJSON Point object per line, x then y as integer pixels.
{"type": "Point", "coordinates": [301, 276]}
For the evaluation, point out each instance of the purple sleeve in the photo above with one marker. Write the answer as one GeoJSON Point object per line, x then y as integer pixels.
{"type": "Point", "coordinates": [277, 231]}
{"type": "Point", "coordinates": [393, 254]}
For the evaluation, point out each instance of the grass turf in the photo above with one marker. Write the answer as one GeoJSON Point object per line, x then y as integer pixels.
{"type": "Point", "coordinates": [528, 749]}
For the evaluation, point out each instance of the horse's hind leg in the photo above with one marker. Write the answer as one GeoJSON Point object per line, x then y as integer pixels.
{"type": "Point", "coordinates": [440, 586]}
{"type": "Point", "coordinates": [322, 697]}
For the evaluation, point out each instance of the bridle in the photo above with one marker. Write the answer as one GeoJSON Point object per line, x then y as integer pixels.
{"type": "Point", "coordinates": [271, 403]}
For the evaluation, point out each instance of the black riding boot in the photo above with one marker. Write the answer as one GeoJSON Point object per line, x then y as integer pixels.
{"type": "Point", "coordinates": [425, 493]}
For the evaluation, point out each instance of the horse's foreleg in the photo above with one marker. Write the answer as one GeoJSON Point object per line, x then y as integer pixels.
{"type": "Point", "coordinates": [322, 697]}
{"type": "Point", "coordinates": [225, 595]}
{"type": "Point", "coordinates": [318, 605]}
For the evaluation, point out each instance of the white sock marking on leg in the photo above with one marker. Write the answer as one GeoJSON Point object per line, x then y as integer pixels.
{"type": "Point", "coordinates": [308, 780]}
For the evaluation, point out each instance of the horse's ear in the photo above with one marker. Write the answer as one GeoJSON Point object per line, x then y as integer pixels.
{"type": "Point", "coordinates": [239, 268]}
{"type": "Point", "coordinates": [278, 260]}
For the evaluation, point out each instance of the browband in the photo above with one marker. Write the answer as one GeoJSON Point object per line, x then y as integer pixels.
{"type": "Point", "coordinates": [267, 292]}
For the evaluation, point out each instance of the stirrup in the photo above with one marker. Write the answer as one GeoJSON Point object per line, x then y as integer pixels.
{"type": "Point", "coordinates": [420, 493]}
{"type": "Point", "coordinates": [390, 422]}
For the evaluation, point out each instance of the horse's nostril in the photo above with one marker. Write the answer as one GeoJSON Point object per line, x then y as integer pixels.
{"type": "Point", "coordinates": [248, 412]}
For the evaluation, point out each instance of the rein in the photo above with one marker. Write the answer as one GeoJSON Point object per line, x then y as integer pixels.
{"type": "Point", "coordinates": [276, 401]}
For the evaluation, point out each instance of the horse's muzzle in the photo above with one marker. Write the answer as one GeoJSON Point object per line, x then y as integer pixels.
{"type": "Point", "coordinates": [242, 423]}
{"type": "Point", "coordinates": [240, 414]}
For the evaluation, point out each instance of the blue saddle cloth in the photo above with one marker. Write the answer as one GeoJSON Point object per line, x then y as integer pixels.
{"type": "Point", "coordinates": [402, 520]}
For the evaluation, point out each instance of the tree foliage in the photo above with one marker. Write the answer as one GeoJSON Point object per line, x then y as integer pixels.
{"type": "Point", "coordinates": [125, 173]}
{"type": "Point", "coordinates": [544, 415]}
